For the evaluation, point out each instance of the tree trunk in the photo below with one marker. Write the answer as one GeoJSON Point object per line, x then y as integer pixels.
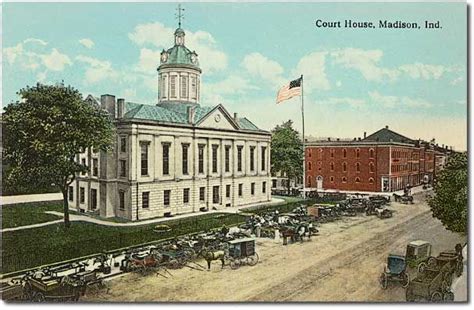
{"type": "Point", "coordinates": [67, 223]}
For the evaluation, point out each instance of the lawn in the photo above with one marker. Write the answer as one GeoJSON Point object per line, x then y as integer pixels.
{"type": "Point", "coordinates": [29, 213]}
{"type": "Point", "coordinates": [53, 243]}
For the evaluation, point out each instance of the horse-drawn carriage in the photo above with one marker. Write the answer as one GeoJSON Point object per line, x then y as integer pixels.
{"type": "Point", "coordinates": [394, 271]}
{"type": "Point", "coordinates": [430, 285]}
{"type": "Point", "coordinates": [242, 252]}
{"type": "Point", "coordinates": [50, 288]}
{"type": "Point", "coordinates": [405, 198]}
{"type": "Point", "coordinates": [379, 210]}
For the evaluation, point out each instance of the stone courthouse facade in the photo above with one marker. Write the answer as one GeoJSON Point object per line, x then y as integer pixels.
{"type": "Point", "coordinates": [176, 156]}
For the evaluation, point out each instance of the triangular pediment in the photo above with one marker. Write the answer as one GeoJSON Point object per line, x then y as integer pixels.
{"type": "Point", "coordinates": [218, 118]}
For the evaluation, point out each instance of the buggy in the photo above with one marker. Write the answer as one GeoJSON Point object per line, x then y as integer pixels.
{"type": "Point", "coordinates": [417, 254]}
{"type": "Point", "coordinates": [241, 252]}
{"type": "Point", "coordinates": [405, 199]}
{"type": "Point", "coordinates": [394, 270]}
{"type": "Point", "coordinates": [48, 288]}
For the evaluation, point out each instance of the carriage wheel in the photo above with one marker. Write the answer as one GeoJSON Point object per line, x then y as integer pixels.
{"type": "Point", "coordinates": [38, 297]}
{"type": "Point", "coordinates": [448, 296]}
{"type": "Point", "coordinates": [252, 260]}
{"type": "Point", "coordinates": [432, 262]}
{"type": "Point", "coordinates": [421, 267]}
{"type": "Point", "coordinates": [405, 279]}
{"type": "Point", "coordinates": [436, 297]}
{"type": "Point", "coordinates": [383, 280]}
{"type": "Point", "coordinates": [234, 264]}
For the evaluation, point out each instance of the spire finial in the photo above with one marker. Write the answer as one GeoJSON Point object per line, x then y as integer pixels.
{"type": "Point", "coordinates": [179, 15]}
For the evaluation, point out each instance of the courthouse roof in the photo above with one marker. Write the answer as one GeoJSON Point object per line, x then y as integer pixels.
{"type": "Point", "coordinates": [177, 113]}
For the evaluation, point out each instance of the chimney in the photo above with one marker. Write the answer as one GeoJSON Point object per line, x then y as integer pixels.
{"type": "Point", "coordinates": [386, 126]}
{"type": "Point", "coordinates": [107, 102]}
{"type": "Point", "coordinates": [235, 117]}
{"type": "Point", "coordinates": [354, 139]}
{"type": "Point", "coordinates": [120, 107]}
{"type": "Point", "coordinates": [365, 134]}
{"type": "Point", "coordinates": [329, 139]}
{"type": "Point", "coordinates": [338, 139]}
{"type": "Point", "coordinates": [359, 138]}
{"type": "Point", "coordinates": [191, 111]}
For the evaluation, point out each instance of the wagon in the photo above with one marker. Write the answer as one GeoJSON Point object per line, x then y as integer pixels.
{"type": "Point", "coordinates": [49, 288]}
{"type": "Point", "coordinates": [394, 271]}
{"type": "Point", "coordinates": [430, 285]}
{"type": "Point", "coordinates": [242, 252]}
{"type": "Point", "coordinates": [417, 254]}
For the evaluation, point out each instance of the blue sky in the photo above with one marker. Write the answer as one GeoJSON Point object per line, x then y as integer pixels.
{"type": "Point", "coordinates": [355, 80]}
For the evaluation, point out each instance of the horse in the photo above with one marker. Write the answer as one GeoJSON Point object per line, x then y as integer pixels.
{"type": "Point", "coordinates": [210, 256]}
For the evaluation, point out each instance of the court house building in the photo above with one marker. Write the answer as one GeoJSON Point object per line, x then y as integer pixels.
{"type": "Point", "coordinates": [175, 157]}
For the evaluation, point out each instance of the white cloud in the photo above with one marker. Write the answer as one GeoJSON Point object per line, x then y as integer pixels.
{"type": "Point", "coordinates": [148, 61]}
{"type": "Point", "coordinates": [88, 43]}
{"type": "Point", "coordinates": [211, 58]}
{"type": "Point", "coordinates": [34, 40]}
{"type": "Point", "coordinates": [312, 66]}
{"type": "Point", "coordinates": [365, 61]}
{"type": "Point", "coordinates": [97, 70]}
{"type": "Point", "coordinates": [394, 101]}
{"type": "Point", "coordinates": [423, 71]}
{"type": "Point", "coordinates": [11, 53]}
{"type": "Point", "coordinates": [231, 85]}
{"type": "Point", "coordinates": [457, 80]}
{"type": "Point", "coordinates": [263, 68]}
{"type": "Point", "coordinates": [55, 61]}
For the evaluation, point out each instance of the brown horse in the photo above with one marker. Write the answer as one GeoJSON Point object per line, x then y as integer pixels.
{"type": "Point", "coordinates": [210, 256]}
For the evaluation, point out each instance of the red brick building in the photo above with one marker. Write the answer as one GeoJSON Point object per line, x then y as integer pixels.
{"type": "Point", "coordinates": [382, 162]}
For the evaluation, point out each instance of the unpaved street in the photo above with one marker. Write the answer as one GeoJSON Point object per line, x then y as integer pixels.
{"type": "Point", "coordinates": [341, 264]}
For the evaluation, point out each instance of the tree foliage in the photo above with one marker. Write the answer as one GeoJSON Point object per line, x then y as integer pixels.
{"type": "Point", "coordinates": [450, 202]}
{"type": "Point", "coordinates": [46, 130]}
{"type": "Point", "coordinates": [286, 151]}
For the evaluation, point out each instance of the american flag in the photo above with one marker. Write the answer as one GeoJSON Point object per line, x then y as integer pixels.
{"type": "Point", "coordinates": [290, 90]}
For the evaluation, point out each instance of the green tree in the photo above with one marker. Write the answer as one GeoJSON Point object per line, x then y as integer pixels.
{"type": "Point", "coordinates": [286, 152]}
{"type": "Point", "coordinates": [449, 203]}
{"type": "Point", "coordinates": [46, 130]}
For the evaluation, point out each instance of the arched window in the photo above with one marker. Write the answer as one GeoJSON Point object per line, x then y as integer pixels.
{"type": "Point", "coordinates": [332, 166]}
{"type": "Point", "coordinates": [371, 167]}
{"type": "Point", "coordinates": [320, 153]}
{"type": "Point", "coordinates": [357, 180]}
{"type": "Point", "coordinates": [371, 180]}
{"type": "Point", "coordinates": [331, 179]}
{"type": "Point", "coordinates": [309, 165]}
{"type": "Point", "coordinates": [332, 153]}
{"type": "Point", "coordinates": [344, 153]}
{"type": "Point", "coordinates": [344, 166]}
{"type": "Point", "coordinates": [371, 153]}
{"type": "Point", "coordinates": [309, 152]}
{"type": "Point", "coordinates": [357, 167]}
{"type": "Point", "coordinates": [357, 153]}
{"type": "Point", "coordinates": [344, 179]}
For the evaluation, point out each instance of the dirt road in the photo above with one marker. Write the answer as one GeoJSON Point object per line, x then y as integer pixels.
{"type": "Point", "coordinates": [341, 264]}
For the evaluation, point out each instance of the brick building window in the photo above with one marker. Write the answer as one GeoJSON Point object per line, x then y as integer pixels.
{"type": "Point", "coordinates": [344, 153]}
{"type": "Point", "coordinates": [166, 197]}
{"type": "Point", "coordinates": [344, 179]}
{"type": "Point", "coordinates": [309, 165]}
{"type": "Point", "coordinates": [201, 158]}
{"type": "Point", "coordinates": [320, 163]}
{"type": "Point", "coordinates": [371, 167]}
{"type": "Point", "coordinates": [309, 152]}
{"type": "Point", "coordinates": [186, 195]}
{"type": "Point", "coordinates": [331, 179]}
{"type": "Point", "coordinates": [202, 194]}
{"type": "Point", "coordinates": [332, 153]}
{"type": "Point", "coordinates": [145, 200]}
{"type": "Point", "coordinates": [357, 153]}
{"type": "Point", "coordinates": [371, 180]}
{"type": "Point", "coordinates": [320, 154]}
{"type": "Point", "coordinates": [309, 181]}
{"type": "Point", "coordinates": [371, 153]}
{"type": "Point", "coordinates": [358, 167]}
{"type": "Point", "coordinates": [344, 167]}
{"type": "Point", "coordinates": [332, 166]}
{"type": "Point", "coordinates": [357, 180]}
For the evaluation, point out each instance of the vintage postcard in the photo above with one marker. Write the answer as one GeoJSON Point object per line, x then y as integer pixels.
{"type": "Point", "coordinates": [234, 152]}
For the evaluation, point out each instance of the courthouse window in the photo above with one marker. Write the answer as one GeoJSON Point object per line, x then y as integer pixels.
{"type": "Point", "coordinates": [166, 158]}
{"type": "Point", "coordinates": [185, 158]}
{"type": "Point", "coordinates": [145, 200]}
{"type": "Point", "coordinates": [252, 153]}
{"type": "Point", "coordinates": [173, 86]}
{"type": "Point", "coordinates": [121, 200]}
{"type": "Point", "coordinates": [264, 154]}
{"type": "Point", "coordinates": [214, 158]}
{"type": "Point", "coordinates": [186, 195]}
{"type": "Point", "coordinates": [227, 158]}
{"type": "Point", "coordinates": [123, 144]}
{"type": "Point", "coordinates": [252, 188]}
{"type": "Point", "coordinates": [215, 194]}
{"type": "Point", "coordinates": [184, 86]}
{"type": "Point", "coordinates": [166, 198]}
{"type": "Point", "coordinates": [201, 158]}
{"type": "Point", "coordinates": [144, 157]}
{"type": "Point", "coordinates": [202, 193]}
{"type": "Point", "coordinates": [193, 87]}
{"type": "Point", "coordinates": [241, 189]}
{"type": "Point", "coordinates": [123, 168]}
{"type": "Point", "coordinates": [95, 167]}
{"type": "Point", "coordinates": [82, 195]}
{"type": "Point", "coordinates": [227, 191]}
{"type": "Point", "coordinates": [71, 193]}
{"type": "Point", "coordinates": [239, 158]}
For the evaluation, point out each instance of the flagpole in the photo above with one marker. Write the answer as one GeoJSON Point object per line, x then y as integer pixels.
{"type": "Point", "coordinates": [304, 150]}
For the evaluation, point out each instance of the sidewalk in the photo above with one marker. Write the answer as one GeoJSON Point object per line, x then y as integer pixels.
{"type": "Point", "coordinates": [85, 218]}
{"type": "Point", "coordinates": [8, 200]}
{"type": "Point", "coordinates": [414, 190]}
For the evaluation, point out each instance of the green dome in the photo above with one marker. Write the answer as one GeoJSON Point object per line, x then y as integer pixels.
{"type": "Point", "coordinates": [179, 54]}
